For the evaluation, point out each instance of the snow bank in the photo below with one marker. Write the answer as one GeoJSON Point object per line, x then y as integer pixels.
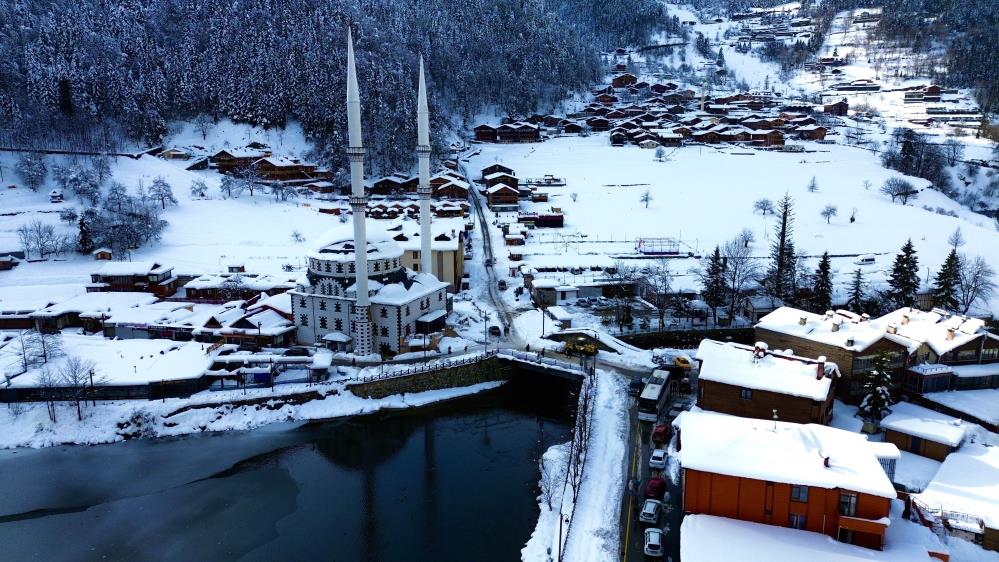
{"type": "Point", "coordinates": [595, 531]}
{"type": "Point", "coordinates": [967, 482]}
{"type": "Point", "coordinates": [544, 539]}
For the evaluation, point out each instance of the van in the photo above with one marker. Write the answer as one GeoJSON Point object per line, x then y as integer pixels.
{"type": "Point", "coordinates": [864, 260]}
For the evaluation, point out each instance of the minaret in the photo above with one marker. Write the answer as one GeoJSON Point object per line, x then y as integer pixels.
{"type": "Point", "coordinates": [359, 205]}
{"type": "Point", "coordinates": [423, 152]}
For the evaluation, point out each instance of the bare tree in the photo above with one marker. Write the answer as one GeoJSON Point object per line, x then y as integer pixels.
{"type": "Point", "coordinates": [898, 188]}
{"type": "Point", "coordinates": [764, 206]}
{"type": "Point", "coordinates": [657, 287]}
{"type": "Point", "coordinates": [976, 282]}
{"type": "Point", "coordinates": [829, 212]}
{"type": "Point", "coordinates": [646, 198]}
{"type": "Point", "coordinates": [956, 239]}
{"type": "Point", "coordinates": [813, 185]}
{"type": "Point", "coordinates": [78, 378]}
{"type": "Point", "coordinates": [48, 381]}
{"type": "Point", "coordinates": [953, 150]}
{"type": "Point", "coordinates": [741, 268]}
{"type": "Point", "coordinates": [203, 124]}
{"type": "Point", "coordinates": [38, 238]}
{"type": "Point", "coordinates": [199, 188]}
{"type": "Point", "coordinates": [548, 482]}
{"type": "Point", "coordinates": [581, 435]}
{"type": "Point", "coordinates": [747, 237]}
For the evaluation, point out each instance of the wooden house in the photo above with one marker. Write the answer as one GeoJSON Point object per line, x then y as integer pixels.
{"type": "Point", "coordinates": [753, 382]}
{"type": "Point", "coordinates": [607, 99]}
{"type": "Point", "coordinates": [767, 137]}
{"type": "Point", "coordinates": [811, 132]}
{"type": "Point", "coordinates": [518, 133]}
{"type": "Point", "coordinates": [573, 128]}
{"type": "Point", "coordinates": [175, 153]}
{"type": "Point", "coordinates": [922, 431]}
{"type": "Point", "coordinates": [502, 195]}
{"type": "Point", "coordinates": [709, 137]}
{"type": "Point", "coordinates": [279, 168]}
{"type": "Point", "coordinates": [485, 133]}
{"type": "Point", "coordinates": [623, 80]}
{"type": "Point", "coordinates": [102, 254]}
{"type": "Point", "coordinates": [501, 178]}
{"type": "Point", "coordinates": [809, 477]}
{"type": "Point", "coordinates": [140, 276]}
{"type": "Point", "coordinates": [494, 168]}
{"type": "Point", "coordinates": [233, 160]}
{"type": "Point", "coordinates": [840, 108]}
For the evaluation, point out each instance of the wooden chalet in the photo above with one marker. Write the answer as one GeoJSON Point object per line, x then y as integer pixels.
{"type": "Point", "coordinates": [840, 108]}
{"type": "Point", "coordinates": [519, 132]}
{"type": "Point", "coordinates": [485, 133]}
{"type": "Point", "coordinates": [811, 132]}
{"type": "Point", "coordinates": [573, 128]}
{"type": "Point", "coordinates": [767, 138]}
{"type": "Point", "coordinates": [234, 160]}
{"type": "Point", "coordinates": [502, 195]}
{"type": "Point", "coordinates": [624, 80]}
{"type": "Point", "coordinates": [752, 382]}
{"type": "Point", "coordinates": [497, 178]}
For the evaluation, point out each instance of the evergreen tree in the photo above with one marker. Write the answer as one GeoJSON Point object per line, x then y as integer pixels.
{"type": "Point", "coordinates": [947, 281]}
{"type": "Point", "coordinates": [714, 283]}
{"type": "Point", "coordinates": [855, 301]}
{"type": "Point", "coordinates": [877, 396]}
{"type": "Point", "coordinates": [780, 278]}
{"type": "Point", "coordinates": [903, 284]}
{"type": "Point", "coordinates": [822, 290]}
{"type": "Point", "coordinates": [84, 241]}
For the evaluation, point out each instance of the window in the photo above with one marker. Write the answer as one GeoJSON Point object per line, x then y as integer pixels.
{"type": "Point", "coordinates": [336, 306]}
{"type": "Point", "coordinates": [327, 267]}
{"type": "Point", "coordinates": [848, 504]}
{"type": "Point", "coordinates": [799, 494]}
{"type": "Point", "coordinates": [845, 535]}
{"type": "Point", "coordinates": [383, 312]}
{"type": "Point", "coordinates": [407, 310]}
{"type": "Point", "coordinates": [745, 394]}
{"type": "Point", "coordinates": [967, 355]}
{"type": "Point", "coordinates": [384, 332]}
{"type": "Point", "coordinates": [378, 266]}
{"type": "Point", "coordinates": [796, 521]}
{"type": "Point", "coordinates": [322, 322]}
{"type": "Point", "coordinates": [337, 324]}
{"type": "Point", "coordinates": [322, 303]}
{"type": "Point", "coordinates": [440, 296]}
{"type": "Point", "coordinates": [990, 354]}
{"type": "Point", "coordinates": [303, 320]}
{"type": "Point", "coordinates": [339, 268]}
{"type": "Point", "coordinates": [301, 301]}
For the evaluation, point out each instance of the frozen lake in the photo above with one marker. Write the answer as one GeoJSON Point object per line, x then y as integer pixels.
{"type": "Point", "coordinates": [455, 482]}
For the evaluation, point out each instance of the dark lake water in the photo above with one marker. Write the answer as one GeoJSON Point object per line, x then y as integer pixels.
{"type": "Point", "coordinates": [455, 482]}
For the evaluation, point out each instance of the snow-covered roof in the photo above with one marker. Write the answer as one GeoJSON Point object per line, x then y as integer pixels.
{"type": "Point", "coordinates": [500, 187]}
{"type": "Point", "coordinates": [336, 337]}
{"type": "Point", "coordinates": [967, 482]}
{"type": "Point", "coordinates": [342, 250]}
{"type": "Point", "coordinates": [434, 315]}
{"type": "Point", "coordinates": [791, 453]}
{"type": "Point", "coordinates": [853, 334]}
{"type": "Point", "coordinates": [984, 370]}
{"type": "Point", "coordinates": [113, 268]}
{"type": "Point", "coordinates": [280, 302]}
{"type": "Point", "coordinates": [398, 294]}
{"type": "Point", "coordinates": [978, 403]}
{"type": "Point", "coordinates": [263, 282]}
{"type": "Point", "coordinates": [96, 303]}
{"type": "Point", "coordinates": [921, 422]}
{"type": "Point", "coordinates": [738, 365]}
{"type": "Point", "coordinates": [559, 313]}
{"type": "Point", "coordinates": [938, 330]}
{"type": "Point", "coordinates": [708, 538]}
{"type": "Point", "coordinates": [545, 283]}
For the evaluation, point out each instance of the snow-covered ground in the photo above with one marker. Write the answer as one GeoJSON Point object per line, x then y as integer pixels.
{"type": "Point", "coordinates": [704, 196]}
{"type": "Point", "coordinates": [28, 425]}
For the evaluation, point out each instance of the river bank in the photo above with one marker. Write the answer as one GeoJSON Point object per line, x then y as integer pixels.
{"type": "Point", "coordinates": [29, 425]}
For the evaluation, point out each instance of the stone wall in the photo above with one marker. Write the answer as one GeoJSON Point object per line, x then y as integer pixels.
{"type": "Point", "coordinates": [453, 377]}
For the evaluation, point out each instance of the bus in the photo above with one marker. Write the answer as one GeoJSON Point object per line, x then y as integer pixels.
{"type": "Point", "coordinates": [654, 396]}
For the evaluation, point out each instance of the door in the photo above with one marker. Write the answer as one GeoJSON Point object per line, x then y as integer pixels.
{"type": "Point", "coordinates": [768, 504]}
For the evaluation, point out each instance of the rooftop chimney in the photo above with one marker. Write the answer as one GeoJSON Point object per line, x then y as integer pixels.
{"type": "Point", "coordinates": [802, 320]}
{"type": "Point", "coordinates": [849, 342]}
{"type": "Point", "coordinates": [892, 329]}
{"type": "Point", "coordinates": [825, 462]}
{"type": "Point", "coordinates": [865, 317]}
{"type": "Point", "coordinates": [905, 319]}
{"type": "Point", "coordinates": [820, 371]}
{"type": "Point", "coordinates": [950, 333]}
{"type": "Point", "coordinates": [835, 326]}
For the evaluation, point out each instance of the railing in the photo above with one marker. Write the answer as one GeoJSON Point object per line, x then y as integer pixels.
{"type": "Point", "coordinates": [536, 359]}
{"type": "Point", "coordinates": [426, 368]}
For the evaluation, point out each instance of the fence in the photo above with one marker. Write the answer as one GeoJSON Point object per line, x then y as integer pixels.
{"type": "Point", "coordinates": [427, 368]}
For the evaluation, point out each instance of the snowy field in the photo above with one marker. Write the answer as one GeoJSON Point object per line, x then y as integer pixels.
{"type": "Point", "coordinates": [704, 196]}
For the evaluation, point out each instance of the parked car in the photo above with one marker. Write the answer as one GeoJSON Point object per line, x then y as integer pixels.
{"type": "Point", "coordinates": [660, 434]}
{"type": "Point", "coordinates": [655, 488]}
{"type": "Point", "coordinates": [296, 352]}
{"type": "Point", "coordinates": [650, 511]}
{"type": "Point", "coordinates": [654, 542]}
{"type": "Point", "coordinates": [495, 330]}
{"type": "Point", "coordinates": [636, 386]}
{"type": "Point", "coordinates": [658, 459]}
{"type": "Point", "coordinates": [502, 284]}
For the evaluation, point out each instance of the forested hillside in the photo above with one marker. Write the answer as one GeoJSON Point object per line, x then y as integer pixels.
{"type": "Point", "coordinates": [968, 28]}
{"type": "Point", "coordinates": [102, 67]}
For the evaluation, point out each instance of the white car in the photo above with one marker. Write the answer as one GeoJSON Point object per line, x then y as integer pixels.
{"type": "Point", "coordinates": [658, 459]}
{"type": "Point", "coordinates": [650, 511]}
{"type": "Point", "coordinates": [654, 542]}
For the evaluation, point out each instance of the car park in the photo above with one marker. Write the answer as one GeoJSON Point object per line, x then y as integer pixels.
{"type": "Point", "coordinates": [658, 459]}
{"type": "Point", "coordinates": [650, 511]}
{"type": "Point", "coordinates": [653, 542]}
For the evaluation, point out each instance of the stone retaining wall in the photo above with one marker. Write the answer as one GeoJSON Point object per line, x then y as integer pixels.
{"type": "Point", "coordinates": [463, 375]}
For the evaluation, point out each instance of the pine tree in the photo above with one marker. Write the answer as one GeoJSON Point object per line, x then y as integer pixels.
{"type": "Point", "coordinates": [822, 290]}
{"type": "Point", "coordinates": [855, 302]}
{"type": "Point", "coordinates": [84, 241]}
{"type": "Point", "coordinates": [714, 283]}
{"type": "Point", "coordinates": [946, 283]}
{"type": "Point", "coordinates": [779, 281]}
{"type": "Point", "coordinates": [903, 284]}
{"type": "Point", "coordinates": [877, 396]}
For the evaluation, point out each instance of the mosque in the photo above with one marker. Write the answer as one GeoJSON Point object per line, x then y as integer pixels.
{"type": "Point", "coordinates": [365, 301]}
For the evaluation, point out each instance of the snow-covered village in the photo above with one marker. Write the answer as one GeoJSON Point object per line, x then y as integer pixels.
{"type": "Point", "coordinates": [575, 280]}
